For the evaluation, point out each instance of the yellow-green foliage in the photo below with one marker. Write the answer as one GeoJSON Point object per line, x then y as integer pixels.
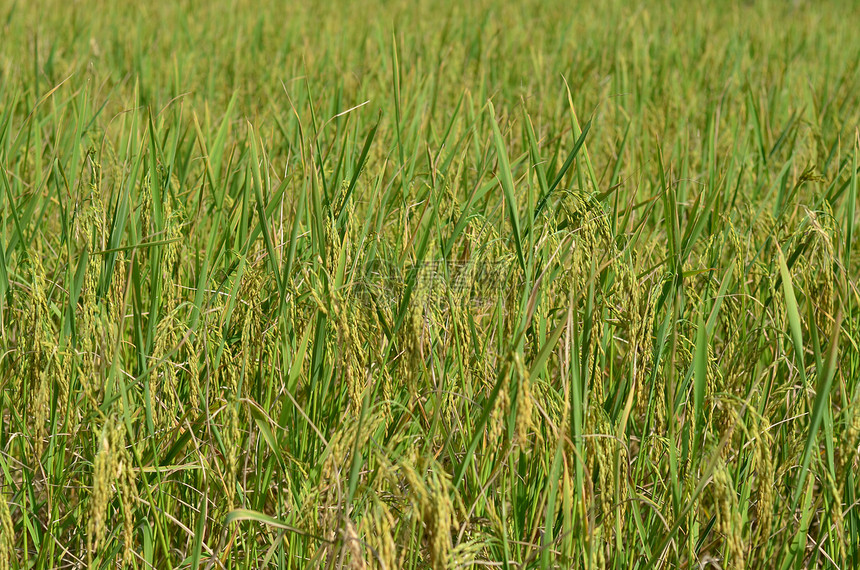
{"type": "Point", "coordinates": [280, 288]}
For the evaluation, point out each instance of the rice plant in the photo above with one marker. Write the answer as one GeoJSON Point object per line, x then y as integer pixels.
{"type": "Point", "coordinates": [429, 285]}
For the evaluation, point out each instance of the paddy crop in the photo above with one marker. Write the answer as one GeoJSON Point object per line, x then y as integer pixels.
{"type": "Point", "coordinates": [429, 285]}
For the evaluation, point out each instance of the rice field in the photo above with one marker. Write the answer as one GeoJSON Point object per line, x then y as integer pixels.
{"type": "Point", "coordinates": [429, 285]}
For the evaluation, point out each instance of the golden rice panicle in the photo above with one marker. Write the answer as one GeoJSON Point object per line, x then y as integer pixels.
{"type": "Point", "coordinates": [525, 406]}
{"type": "Point", "coordinates": [729, 522]}
{"type": "Point", "coordinates": [413, 337]}
{"type": "Point", "coordinates": [94, 218]}
{"type": "Point", "coordinates": [321, 506]}
{"type": "Point", "coordinates": [250, 316]}
{"type": "Point", "coordinates": [232, 433]}
{"type": "Point", "coordinates": [497, 421]}
{"type": "Point", "coordinates": [41, 406]}
{"type": "Point", "coordinates": [111, 471]}
{"type": "Point", "coordinates": [725, 420]}
{"type": "Point", "coordinates": [167, 336]}
{"type": "Point", "coordinates": [102, 473]}
{"type": "Point", "coordinates": [8, 557]}
{"type": "Point", "coordinates": [146, 206]}
{"type": "Point", "coordinates": [195, 350]}
{"type": "Point", "coordinates": [128, 493]}
{"type": "Point", "coordinates": [348, 349]}
{"type": "Point", "coordinates": [117, 290]}
{"type": "Point", "coordinates": [438, 517]}
{"type": "Point", "coordinates": [376, 529]}
{"type": "Point", "coordinates": [599, 448]}
{"type": "Point", "coordinates": [430, 492]}
{"type": "Point", "coordinates": [582, 216]}
{"type": "Point", "coordinates": [639, 314]}
{"type": "Point", "coordinates": [848, 451]}
{"type": "Point", "coordinates": [37, 356]}
{"type": "Point", "coordinates": [126, 486]}
{"type": "Point", "coordinates": [818, 270]}
{"type": "Point", "coordinates": [353, 545]}
{"type": "Point", "coordinates": [765, 481]}
{"type": "Point", "coordinates": [88, 323]}
{"type": "Point", "coordinates": [91, 227]}
{"type": "Point", "coordinates": [228, 476]}
{"type": "Point", "coordinates": [595, 547]}
{"type": "Point", "coordinates": [37, 323]}
{"type": "Point", "coordinates": [173, 236]}
{"type": "Point", "coordinates": [163, 375]}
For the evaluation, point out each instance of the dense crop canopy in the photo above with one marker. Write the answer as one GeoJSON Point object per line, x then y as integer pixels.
{"type": "Point", "coordinates": [429, 284]}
